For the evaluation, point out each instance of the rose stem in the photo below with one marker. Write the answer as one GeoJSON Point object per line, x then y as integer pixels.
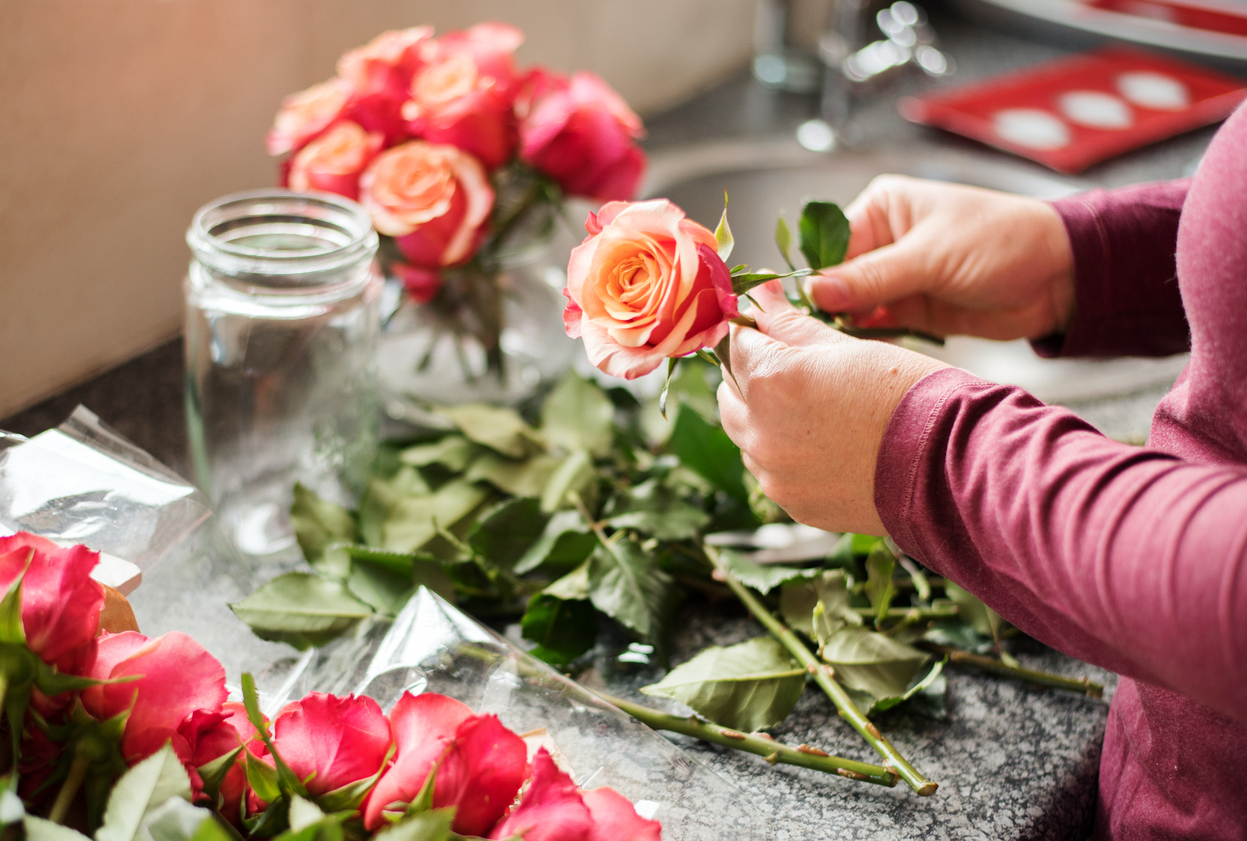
{"type": "Point", "coordinates": [1081, 685]}
{"type": "Point", "coordinates": [774, 752]}
{"type": "Point", "coordinates": [823, 677]}
{"type": "Point", "coordinates": [69, 788]}
{"type": "Point", "coordinates": [914, 613]}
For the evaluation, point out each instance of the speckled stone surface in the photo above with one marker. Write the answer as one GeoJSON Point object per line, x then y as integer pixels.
{"type": "Point", "coordinates": [1013, 761]}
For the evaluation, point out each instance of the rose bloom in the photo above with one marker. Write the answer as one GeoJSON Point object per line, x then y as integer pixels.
{"type": "Point", "coordinates": [332, 741]}
{"type": "Point", "coordinates": [218, 734]}
{"type": "Point", "coordinates": [61, 603]}
{"type": "Point", "coordinates": [580, 133]}
{"type": "Point", "coordinates": [385, 64]}
{"type": "Point", "coordinates": [306, 114]}
{"type": "Point", "coordinates": [333, 162]}
{"type": "Point", "coordinates": [646, 284]}
{"type": "Point", "coordinates": [433, 199]}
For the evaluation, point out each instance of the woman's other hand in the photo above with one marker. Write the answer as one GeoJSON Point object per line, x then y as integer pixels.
{"type": "Point", "coordinates": [950, 259]}
{"type": "Point", "coordinates": [808, 407]}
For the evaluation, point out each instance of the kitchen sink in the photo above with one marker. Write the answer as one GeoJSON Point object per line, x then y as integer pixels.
{"type": "Point", "coordinates": [763, 179]}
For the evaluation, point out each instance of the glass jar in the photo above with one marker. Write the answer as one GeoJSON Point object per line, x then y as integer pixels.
{"type": "Point", "coordinates": [282, 303]}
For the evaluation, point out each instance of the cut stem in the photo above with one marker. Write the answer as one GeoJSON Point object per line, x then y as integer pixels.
{"type": "Point", "coordinates": [774, 752]}
{"type": "Point", "coordinates": [69, 788]}
{"type": "Point", "coordinates": [1081, 685]}
{"type": "Point", "coordinates": [823, 677]}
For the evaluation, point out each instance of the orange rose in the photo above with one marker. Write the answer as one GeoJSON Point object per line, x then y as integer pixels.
{"type": "Point", "coordinates": [433, 199]}
{"type": "Point", "coordinates": [305, 114]}
{"type": "Point", "coordinates": [334, 161]}
{"type": "Point", "coordinates": [646, 284]}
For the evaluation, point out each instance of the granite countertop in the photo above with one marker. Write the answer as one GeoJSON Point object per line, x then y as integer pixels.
{"type": "Point", "coordinates": [1013, 762]}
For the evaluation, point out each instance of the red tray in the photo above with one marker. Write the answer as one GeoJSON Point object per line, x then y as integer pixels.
{"type": "Point", "coordinates": [1071, 113]}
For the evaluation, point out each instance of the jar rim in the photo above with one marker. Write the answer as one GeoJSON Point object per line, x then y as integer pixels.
{"type": "Point", "coordinates": [333, 233]}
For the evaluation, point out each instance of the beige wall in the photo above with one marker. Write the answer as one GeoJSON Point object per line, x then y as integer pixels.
{"type": "Point", "coordinates": [119, 117]}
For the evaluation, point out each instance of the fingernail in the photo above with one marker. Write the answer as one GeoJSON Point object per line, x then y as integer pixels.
{"type": "Point", "coordinates": [830, 292]}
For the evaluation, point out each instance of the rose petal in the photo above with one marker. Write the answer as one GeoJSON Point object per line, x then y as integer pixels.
{"type": "Point", "coordinates": [480, 774]}
{"type": "Point", "coordinates": [615, 818]}
{"type": "Point", "coordinates": [551, 810]}
{"type": "Point", "coordinates": [333, 740]}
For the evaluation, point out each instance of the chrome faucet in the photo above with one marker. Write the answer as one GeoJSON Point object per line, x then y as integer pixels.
{"type": "Point", "coordinates": [855, 58]}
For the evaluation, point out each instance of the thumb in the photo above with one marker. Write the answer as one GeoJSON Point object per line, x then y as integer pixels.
{"type": "Point", "coordinates": [875, 278]}
{"type": "Point", "coordinates": [782, 321]}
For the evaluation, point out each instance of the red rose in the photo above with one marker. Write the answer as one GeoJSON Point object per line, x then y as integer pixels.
{"type": "Point", "coordinates": [61, 603]}
{"type": "Point", "coordinates": [178, 678]}
{"type": "Point", "coordinates": [582, 134]}
{"type": "Point", "coordinates": [421, 284]}
{"type": "Point", "coordinates": [461, 95]}
{"type": "Point", "coordinates": [384, 65]}
{"type": "Point", "coordinates": [333, 161]}
{"type": "Point", "coordinates": [615, 818]}
{"type": "Point", "coordinates": [220, 734]}
{"type": "Point", "coordinates": [433, 199]}
{"type": "Point", "coordinates": [646, 284]}
{"type": "Point", "coordinates": [552, 808]}
{"type": "Point", "coordinates": [306, 114]}
{"type": "Point", "coordinates": [480, 764]}
{"type": "Point", "coordinates": [331, 740]}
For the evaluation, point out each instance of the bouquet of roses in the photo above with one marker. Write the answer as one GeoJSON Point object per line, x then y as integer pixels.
{"type": "Point", "coordinates": [454, 152]}
{"type": "Point", "coordinates": [124, 736]}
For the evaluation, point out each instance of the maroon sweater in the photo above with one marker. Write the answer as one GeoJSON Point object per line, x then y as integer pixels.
{"type": "Point", "coordinates": [1133, 558]}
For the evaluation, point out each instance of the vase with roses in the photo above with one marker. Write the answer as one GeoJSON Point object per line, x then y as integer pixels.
{"type": "Point", "coordinates": [464, 161]}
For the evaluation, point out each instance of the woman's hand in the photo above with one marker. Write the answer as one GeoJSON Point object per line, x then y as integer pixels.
{"type": "Point", "coordinates": [951, 259]}
{"type": "Point", "coordinates": [808, 407]}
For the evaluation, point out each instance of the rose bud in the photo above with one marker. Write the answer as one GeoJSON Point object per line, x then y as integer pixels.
{"type": "Point", "coordinates": [551, 809]}
{"type": "Point", "coordinates": [332, 741]}
{"type": "Point", "coordinates": [646, 284]}
{"type": "Point", "coordinates": [582, 134]}
{"type": "Point", "coordinates": [306, 114]}
{"type": "Point", "coordinates": [480, 764]}
{"type": "Point", "coordinates": [176, 678]}
{"type": "Point", "coordinates": [61, 603]}
{"type": "Point", "coordinates": [433, 199]}
{"type": "Point", "coordinates": [333, 162]}
{"type": "Point", "coordinates": [213, 735]}
{"type": "Point", "coordinates": [462, 93]}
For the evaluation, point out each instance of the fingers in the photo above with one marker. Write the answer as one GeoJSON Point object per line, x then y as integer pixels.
{"type": "Point", "coordinates": [875, 278]}
{"type": "Point", "coordinates": [782, 321]}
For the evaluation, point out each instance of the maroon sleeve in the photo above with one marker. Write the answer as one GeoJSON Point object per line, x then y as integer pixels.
{"type": "Point", "coordinates": [1121, 556]}
{"type": "Point", "coordinates": [1127, 301]}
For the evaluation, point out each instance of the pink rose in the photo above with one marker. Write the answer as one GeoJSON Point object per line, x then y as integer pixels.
{"type": "Point", "coordinates": [492, 46]}
{"type": "Point", "coordinates": [177, 678]}
{"type": "Point", "coordinates": [551, 809]}
{"type": "Point", "coordinates": [433, 199]}
{"type": "Point", "coordinates": [306, 114]}
{"type": "Point", "coordinates": [646, 284]}
{"type": "Point", "coordinates": [615, 818]}
{"type": "Point", "coordinates": [61, 603]}
{"type": "Point", "coordinates": [582, 134]}
{"type": "Point", "coordinates": [480, 764]}
{"type": "Point", "coordinates": [331, 742]}
{"type": "Point", "coordinates": [333, 161]}
{"type": "Point", "coordinates": [215, 735]}
{"type": "Point", "coordinates": [383, 66]}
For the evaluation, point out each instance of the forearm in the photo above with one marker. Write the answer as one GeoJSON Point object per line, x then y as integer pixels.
{"type": "Point", "coordinates": [1127, 299]}
{"type": "Point", "coordinates": [1118, 555]}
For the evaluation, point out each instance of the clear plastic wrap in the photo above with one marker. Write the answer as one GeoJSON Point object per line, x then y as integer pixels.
{"type": "Point", "coordinates": [434, 647]}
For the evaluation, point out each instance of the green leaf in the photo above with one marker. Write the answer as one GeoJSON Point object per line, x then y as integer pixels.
{"type": "Point", "coordinates": [178, 820]}
{"type": "Point", "coordinates": [301, 609]}
{"type": "Point", "coordinates": [879, 587]}
{"type": "Point", "coordinates": [575, 474]}
{"type": "Point", "coordinates": [932, 700]}
{"type": "Point", "coordinates": [579, 416]}
{"type": "Point", "coordinates": [11, 628]}
{"type": "Point", "coordinates": [453, 452]}
{"type": "Point", "coordinates": [347, 798]}
{"type": "Point", "coordinates": [40, 829]}
{"type": "Point", "coordinates": [426, 826]}
{"type": "Point", "coordinates": [286, 782]}
{"type": "Point", "coordinates": [706, 449]}
{"type": "Point", "coordinates": [762, 577]}
{"type": "Point", "coordinates": [743, 284]}
{"type": "Point", "coordinates": [505, 532]}
{"type": "Point", "coordinates": [499, 428]}
{"type": "Point", "coordinates": [626, 583]}
{"type": "Point", "coordinates": [51, 682]}
{"type": "Point", "coordinates": [832, 611]}
{"type": "Point", "coordinates": [380, 587]}
{"type": "Point", "coordinates": [319, 523]}
{"type": "Point", "coordinates": [262, 778]}
{"type": "Point", "coordinates": [304, 813]}
{"type": "Point", "coordinates": [871, 662]}
{"type": "Point", "coordinates": [750, 686]}
{"type": "Point", "coordinates": [673, 362]}
{"type": "Point", "coordinates": [139, 791]}
{"type": "Point", "coordinates": [413, 521]}
{"type": "Point", "coordinates": [518, 478]}
{"type": "Point", "coordinates": [655, 510]}
{"type": "Point", "coordinates": [824, 233]}
{"type": "Point", "coordinates": [973, 612]}
{"type": "Point", "coordinates": [380, 497]}
{"type": "Point", "coordinates": [955, 633]}
{"type": "Point", "coordinates": [565, 542]}
{"type": "Point", "coordinates": [723, 234]}
{"type": "Point", "coordinates": [783, 239]}
{"type": "Point", "coordinates": [213, 773]}
{"type": "Point", "coordinates": [563, 628]}
{"type": "Point", "coordinates": [917, 685]}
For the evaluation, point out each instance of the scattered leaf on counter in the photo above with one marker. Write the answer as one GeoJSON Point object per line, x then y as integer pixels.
{"type": "Point", "coordinates": [301, 609]}
{"type": "Point", "coordinates": [627, 584]}
{"type": "Point", "coordinates": [501, 429]}
{"type": "Point", "coordinates": [579, 416]}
